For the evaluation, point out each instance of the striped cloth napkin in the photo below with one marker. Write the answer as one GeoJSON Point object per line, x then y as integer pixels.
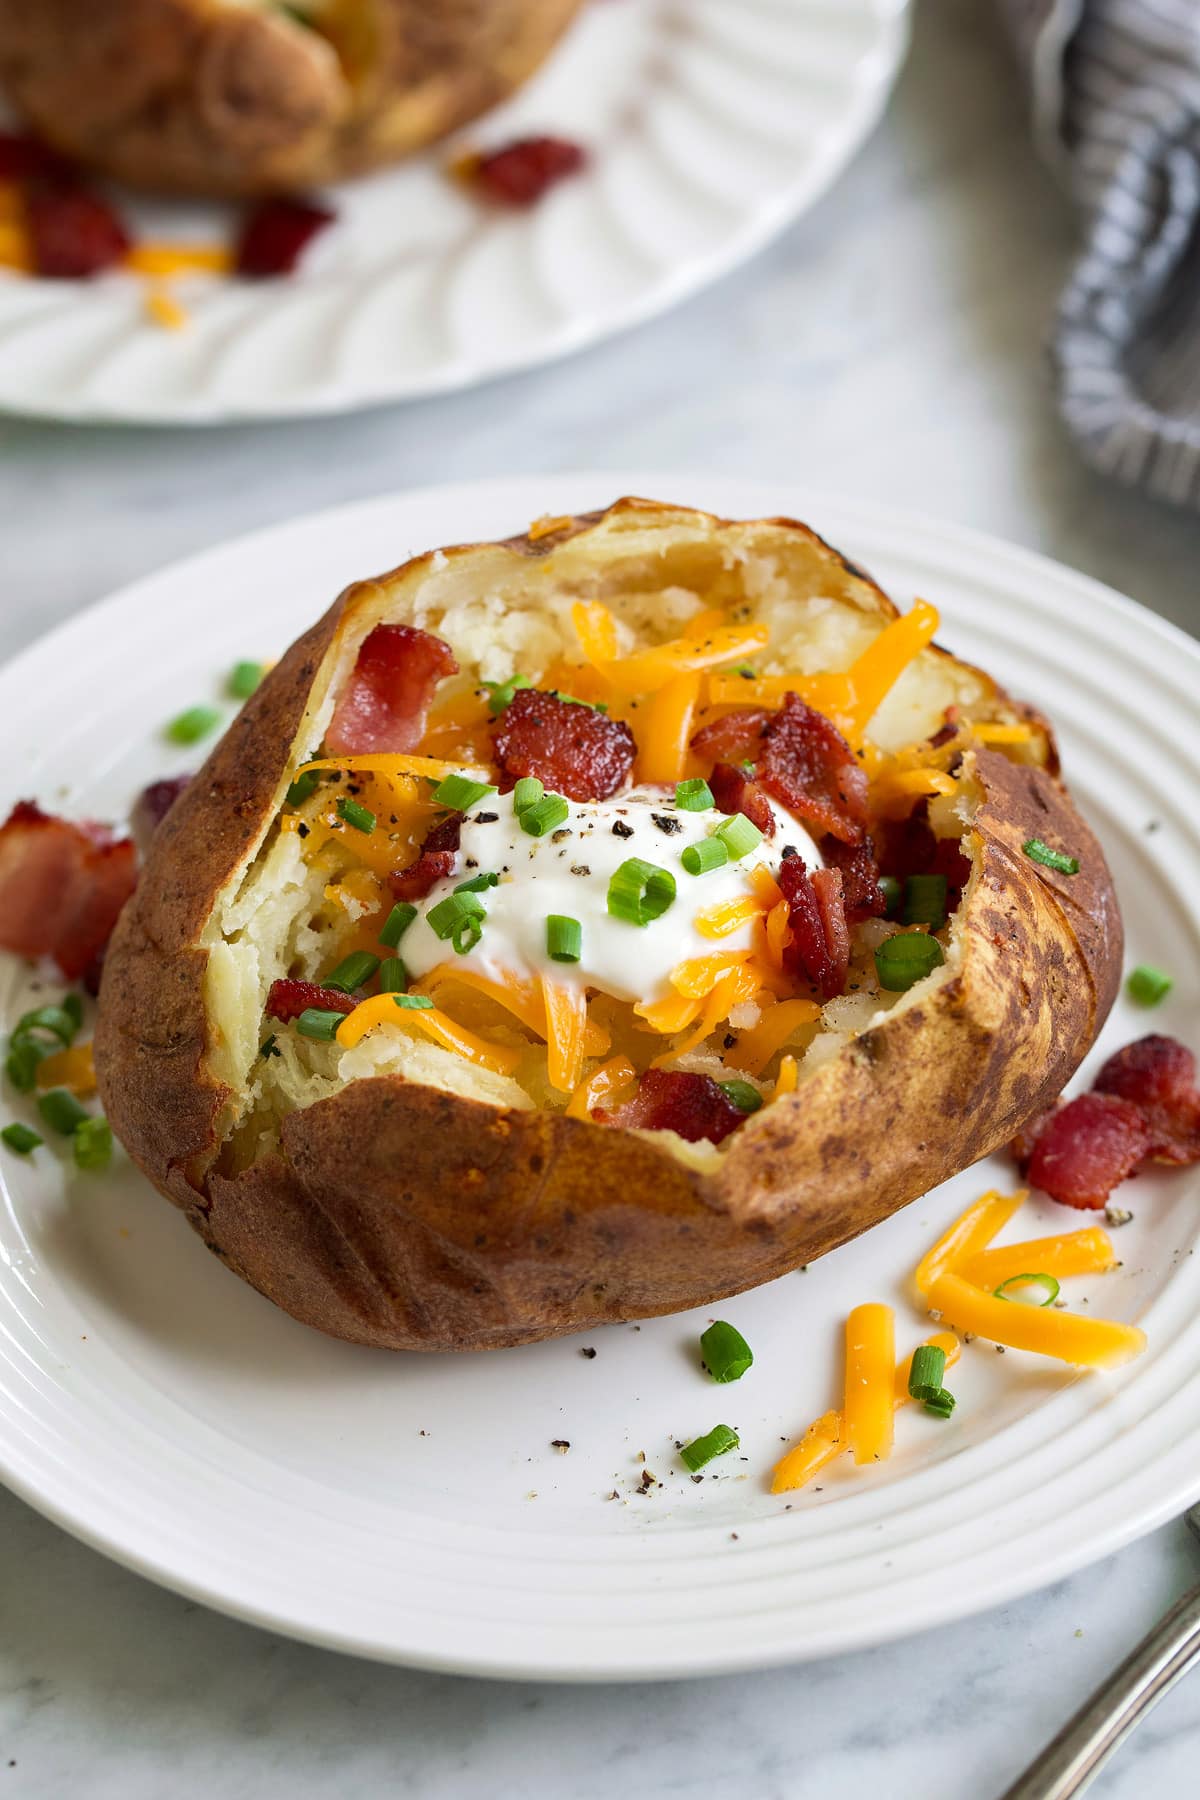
{"type": "Point", "coordinates": [1116, 105]}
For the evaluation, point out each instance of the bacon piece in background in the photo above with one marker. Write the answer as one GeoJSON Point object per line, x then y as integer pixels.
{"type": "Point", "coordinates": [152, 806]}
{"type": "Point", "coordinates": [861, 893]}
{"type": "Point", "coordinates": [73, 233]}
{"type": "Point", "coordinates": [388, 694]}
{"type": "Point", "coordinates": [734, 737]}
{"type": "Point", "coordinates": [61, 886]}
{"type": "Point", "coordinates": [518, 174]}
{"type": "Point", "coordinates": [677, 1100]}
{"type": "Point", "coordinates": [572, 748]}
{"type": "Point", "coordinates": [435, 862]}
{"type": "Point", "coordinates": [288, 999]}
{"type": "Point", "coordinates": [1158, 1076]}
{"type": "Point", "coordinates": [735, 792]}
{"type": "Point", "coordinates": [276, 234]}
{"type": "Point", "coordinates": [1087, 1147]}
{"type": "Point", "coordinates": [807, 763]}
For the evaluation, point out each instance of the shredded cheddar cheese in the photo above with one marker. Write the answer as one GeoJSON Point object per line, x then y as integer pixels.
{"type": "Point", "coordinates": [1002, 734]}
{"type": "Point", "coordinates": [381, 1009]}
{"type": "Point", "coordinates": [1088, 1343]}
{"type": "Point", "coordinates": [522, 999]}
{"type": "Point", "coordinates": [699, 977]}
{"type": "Point", "coordinates": [729, 916]}
{"type": "Point", "coordinates": [1087, 1252]}
{"type": "Point", "coordinates": [384, 762]}
{"type": "Point", "coordinates": [73, 1069]}
{"type": "Point", "coordinates": [646, 671]}
{"type": "Point", "coordinates": [779, 1023]}
{"type": "Point", "coordinates": [163, 260]}
{"type": "Point", "coordinates": [877, 670]}
{"type": "Point", "coordinates": [868, 1406]}
{"type": "Point", "coordinates": [789, 1076]}
{"type": "Point", "coordinates": [596, 630]}
{"type": "Point", "coordinates": [665, 729]}
{"type": "Point", "coordinates": [971, 1232]}
{"type": "Point", "coordinates": [609, 1079]}
{"type": "Point", "coordinates": [566, 1022]}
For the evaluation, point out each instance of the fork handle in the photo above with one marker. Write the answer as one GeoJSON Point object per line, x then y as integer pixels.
{"type": "Point", "coordinates": [1081, 1749]}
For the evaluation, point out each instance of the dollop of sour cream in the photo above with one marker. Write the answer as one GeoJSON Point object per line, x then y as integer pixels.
{"type": "Point", "coordinates": [568, 873]}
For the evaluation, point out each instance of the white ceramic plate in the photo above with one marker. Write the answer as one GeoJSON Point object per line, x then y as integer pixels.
{"type": "Point", "coordinates": [712, 124]}
{"type": "Point", "coordinates": [412, 1508]}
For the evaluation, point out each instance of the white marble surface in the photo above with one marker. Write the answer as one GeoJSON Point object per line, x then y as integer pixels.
{"type": "Point", "coordinates": [890, 345]}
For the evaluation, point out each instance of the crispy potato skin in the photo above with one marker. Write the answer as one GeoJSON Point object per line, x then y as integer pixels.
{"type": "Point", "coordinates": [401, 1216]}
{"type": "Point", "coordinates": [197, 96]}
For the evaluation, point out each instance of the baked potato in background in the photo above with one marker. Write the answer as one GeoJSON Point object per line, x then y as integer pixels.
{"type": "Point", "coordinates": [395, 1195]}
{"type": "Point", "coordinates": [245, 97]}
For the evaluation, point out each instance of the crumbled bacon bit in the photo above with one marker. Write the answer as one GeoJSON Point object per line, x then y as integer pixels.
{"type": "Point", "coordinates": [735, 792]}
{"type": "Point", "coordinates": [518, 174]}
{"type": "Point", "coordinates": [275, 235]}
{"type": "Point", "coordinates": [1087, 1147]}
{"type": "Point", "coordinates": [676, 1100]}
{"type": "Point", "coordinates": [861, 893]}
{"type": "Point", "coordinates": [386, 699]}
{"type": "Point", "coordinates": [152, 806]}
{"type": "Point", "coordinates": [288, 999]}
{"type": "Point", "coordinates": [820, 948]}
{"type": "Point", "coordinates": [572, 748]}
{"type": "Point", "coordinates": [73, 233]}
{"type": "Point", "coordinates": [1158, 1075]}
{"type": "Point", "coordinates": [435, 862]}
{"type": "Point", "coordinates": [733, 737]}
{"type": "Point", "coordinates": [807, 763]}
{"type": "Point", "coordinates": [61, 886]}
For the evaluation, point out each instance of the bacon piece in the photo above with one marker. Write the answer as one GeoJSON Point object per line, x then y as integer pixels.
{"type": "Point", "coordinates": [572, 748]}
{"type": "Point", "coordinates": [288, 999]}
{"type": "Point", "coordinates": [910, 848]}
{"type": "Point", "coordinates": [25, 158]}
{"type": "Point", "coordinates": [152, 806]}
{"type": "Point", "coordinates": [1021, 1146]}
{"type": "Point", "coordinates": [862, 895]}
{"type": "Point", "coordinates": [1087, 1147]}
{"type": "Point", "coordinates": [734, 792]}
{"type": "Point", "coordinates": [807, 763]}
{"type": "Point", "coordinates": [820, 948]}
{"type": "Point", "coordinates": [734, 736]}
{"type": "Point", "coordinates": [73, 233]}
{"type": "Point", "coordinates": [385, 701]}
{"type": "Point", "coordinates": [436, 861]}
{"type": "Point", "coordinates": [275, 235]}
{"type": "Point", "coordinates": [677, 1100]}
{"type": "Point", "coordinates": [1158, 1076]}
{"type": "Point", "coordinates": [61, 886]}
{"type": "Point", "coordinates": [518, 174]}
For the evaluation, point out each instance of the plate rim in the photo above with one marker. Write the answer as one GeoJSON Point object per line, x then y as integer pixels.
{"type": "Point", "coordinates": [846, 513]}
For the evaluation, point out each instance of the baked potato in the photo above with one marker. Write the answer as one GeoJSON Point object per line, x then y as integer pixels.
{"type": "Point", "coordinates": [421, 1102]}
{"type": "Point", "coordinates": [245, 97]}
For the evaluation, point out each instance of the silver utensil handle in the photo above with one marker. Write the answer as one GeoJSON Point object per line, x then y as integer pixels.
{"type": "Point", "coordinates": [1081, 1749]}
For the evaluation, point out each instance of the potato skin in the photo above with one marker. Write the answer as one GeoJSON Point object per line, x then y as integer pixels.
{"type": "Point", "coordinates": [195, 96]}
{"type": "Point", "coordinates": [401, 1216]}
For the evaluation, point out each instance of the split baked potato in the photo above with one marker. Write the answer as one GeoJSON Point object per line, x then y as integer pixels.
{"type": "Point", "coordinates": [245, 97]}
{"type": "Point", "coordinates": [731, 1078]}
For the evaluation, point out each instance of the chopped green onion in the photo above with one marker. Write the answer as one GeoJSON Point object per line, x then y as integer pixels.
{"type": "Point", "coordinates": [925, 901]}
{"type": "Point", "coordinates": [893, 894]}
{"type": "Point", "coordinates": [458, 792]}
{"type": "Point", "coordinates": [544, 815]}
{"type": "Point", "coordinates": [244, 678]}
{"type": "Point", "coordinates": [694, 796]}
{"type": "Point", "coordinates": [1148, 985]}
{"type": "Point", "coordinates": [72, 1005]}
{"type": "Point", "coordinates": [716, 1442]}
{"type": "Point", "coordinates": [352, 972]}
{"type": "Point", "coordinates": [21, 1138]}
{"type": "Point", "coordinates": [20, 1065]}
{"type": "Point", "coordinates": [60, 1021]}
{"type": "Point", "coordinates": [726, 1353]}
{"type": "Point", "coordinates": [361, 817]}
{"type": "Point", "coordinates": [196, 723]}
{"type": "Point", "coordinates": [927, 1372]}
{"type": "Point", "coordinates": [640, 892]}
{"type": "Point", "coordinates": [443, 917]}
{"type": "Point", "coordinates": [702, 858]}
{"type": "Point", "coordinates": [303, 786]}
{"type": "Point", "coordinates": [564, 938]}
{"type": "Point", "coordinates": [92, 1144]}
{"type": "Point", "coordinates": [317, 1022]}
{"type": "Point", "coordinates": [397, 923]}
{"type": "Point", "coordinates": [61, 1110]}
{"type": "Point", "coordinates": [744, 1094]}
{"type": "Point", "coordinates": [414, 1002]}
{"type": "Point", "coordinates": [1039, 852]}
{"type": "Point", "coordinates": [466, 933]}
{"type": "Point", "coordinates": [1046, 1283]}
{"type": "Point", "coordinates": [269, 1048]}
{"type": "Point", "coordinates": [500, 693]}
{"type": "Point", "coordinates": [941, 1404]}
{"type": "Point", "coordinates": [393, 976]}
{"type": "Point", "coordinates": [900, 962]}
{"type": "Point", "coordinates": [527, 792]}
{"type": "Point", "coordinates": [478, 884]}
{"type": "Point", "coordinates": [739, 835]}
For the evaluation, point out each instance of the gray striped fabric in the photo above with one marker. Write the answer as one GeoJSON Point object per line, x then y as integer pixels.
{"type": "Point", "coordinates": [1116, 103]}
